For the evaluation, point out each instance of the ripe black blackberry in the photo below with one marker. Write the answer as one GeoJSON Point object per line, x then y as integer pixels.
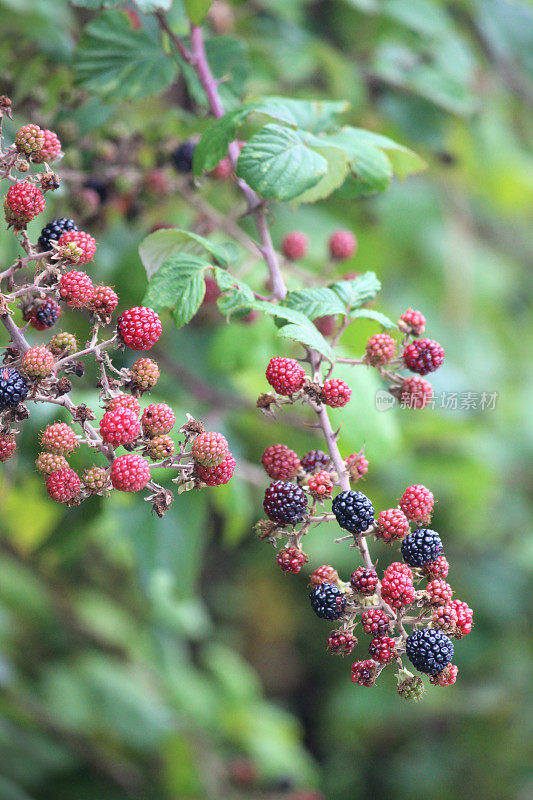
{"type": "Point", "coordinates": [421, 547]}
{"type": "Point", "coordinates": [328, 601]}
{"type": "Point", "coordinates": [354, 511]}
{"type": "Point", "coordinates": [53, 231]}
{"type": "Point", "coordinates": [315, 459]}
{"type": "Point", "coordinates": [182, 157]}
{"type": "Point", "coordinates": [429, 650]}
{"type": "Point", "coordinates": [97, 186]}
{"type": "Point", "coordinates": [13, 388]}
{"type": "Point", "coordinates": [285, 503]}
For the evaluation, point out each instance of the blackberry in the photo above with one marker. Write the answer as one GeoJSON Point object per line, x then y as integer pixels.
{"type": "Point", "coordinates": [354, 511]}
{"type": "Point", "coordinates": [285, 503]}
{"type": "Point", "coordinates": [46, 315]}
{"type": "Point", "coordinates": [429, 650]}
{"type": "Point", "coordinates": [53, 231]}
{"type": "Point", "coordinates": [182, 157]}
{"type": "Point", "coordinates": [421, 547]}
{"type": "Point", "coordinates": [328, 601]}
{"type": "Point", "coordinates": [315, 459]}
{"type": "Point", "coordinates": [13, 388]}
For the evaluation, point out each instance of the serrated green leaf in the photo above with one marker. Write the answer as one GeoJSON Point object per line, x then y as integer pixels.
{"type": "Point", "coordinates": [338, 168]}
{"type": "Point", "coordinates": [120, 62]}
{"type": "Point", "coordinates": [302, 329]}
{"type": "Point", "coordinates": [403, 160]}
{"type": "Point", "coordinates": [369, 313]}
{"type": "Point", "coordinates": [95, 4]}
{"type": "Point", "coordinates": [213, 145]}
{"type": "Point", "coordinates": [357, 291]}
{"type": "Point", "coordinates": [313, 303]}
{"type": "Point", "coordinates": [236, 294]}
{"type": "Point", "coordinates": [178, 284]}
{"type": "Point", "coordinates": [278, 164]}
{"type": "Point", "coordinates": [197, 10]}
{"type": "Point", "coordinates": [159, 246]}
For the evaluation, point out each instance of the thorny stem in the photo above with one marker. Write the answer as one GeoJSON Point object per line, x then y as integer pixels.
{"type": "Point", "coordinates": [198, 59]}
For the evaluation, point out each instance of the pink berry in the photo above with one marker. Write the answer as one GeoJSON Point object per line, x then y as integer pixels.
{"type": "Point", "coordinates": [295, 245]}
{"type": "Point", "coordinates": [157, 418]}
{"type": "Point", "coordinates": [59, 438]}
{"type": "Point", "coordinates": [63, 485]}
{"type": "Point", "coordinates": [423, 356]}
{"type": "Point", "coordinates": [23, 202]}
{"type": "Point", "coordinates": [119, 426]}
{"type": "Point", "coordinates": [139, 328]}
{"type": "Point", "coordinates": [392, 524]}
{"type": "Point", "coordinates": [412, 322]}
{"type": "Point", "coordinates": [285, 375]}
{"type": "Point", "coordinates": [320, 485]}
{"type": "Point", "coordinates": [336, 392]}
{"type": "Point", "coordinates": [76, 288]}
{"type": "Point", "coordinates": [82, 241]}
{"type": "Point", "coordinates": [219, 475]}
{"type": "Point", "coordinates": [280, 463]}
{"type": "Point", "coordinates": [342, 245]}
{"type": "Point", "coordinates": [130, 473]}
{"type": "Point", "coordinates": [380, 349]}
{"type": "Point", "coordinates": [415, 393]}
{"type": "Point", "coordinates": [417, 502]}
{"type": "Point", "coordinates": [210, 449]}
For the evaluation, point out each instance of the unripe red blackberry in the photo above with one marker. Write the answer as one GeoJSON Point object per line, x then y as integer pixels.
{"type": "Point", "coordinates": [383, 649]}
{"type": "Point", "coordinates": [223, 169]}
{"type": "Point", "coordinates": [439, 592]}
{"type": "Point", "coordinates": [438, 568]}
{"type": "Point", "coordinates": [83, 241]}
{"type": "Point", "coordinates": [411, 688]}
{"type": "Point", "coordinates": [445, 619]}
{"type": "Point", "coordinates": [145, 373]}
{"type": "Point", "coordinates": [380, 349]}
{"type": "Point", "coordinates": [37, 362]}
{"type": "Point", "coordinates": [447, 677]}
{"type": "Point", "coordinates": [59, 438]}
{"type": "Point", "coordinates": [320, 485]}
{"type": "Point", "coordinates": [8, 445]}
{"type": "Point", "coordinates": [119, 426]}
{"type": "Point", "coordinates": [336, 393]}
{"type": "Point", "coordinates": [291, 559]}
{"type": "Point", "coordinates": [209, 449]}
{"type": "Point", "coordinates": [212, 290]}
{"type": "Point", "coordinates": [96, 480]}
{"type": "Point", "coordinates": [423, 356]}
{"type": "Point", "coordinates": [417, 502]}
{"type": "Point", "coordinates": [159, 418]}
{"type": "Point", "coordinates": [139, 328]}
{"type": "Point", "coordinates": [216, 476]}
{"type": "Point", "coordinates": [465, 616]}
{"type": "Point", "coordinates": [23, 202]}
{"type": "Point", "coordinates": [364, 581]}
{"type": "Point", "coordinates": [76, 288]}
{"type": "Point", "coordinates": [63, 485]}
{"type": "Point", "coordinates": [375, 622]}
{"type": "Point", "coordinates": [104, 302]}
{"type": "Point", "coordinates": [392, 524]}
{"type": "Point", "coordinates": [315, 460]}
{"type": "Point", "coordinates": [415, 393]}
{"type": "Point", "coordinates": [412, 322]}
{"type": "Point", "coordinates": [285, 375]}
{"type": "Point", "coordinates": [29, 139]}
{"type": "Point", "coordinates": [397, 588]}
{"type": "Point", "coordinates": [63, 343]}
{"type": "Point", "coordinates": [51, 149]}
{"type": "Point", "coordinates": [364, 673]}
{"type": "Point", "coordinates": [130, 473]}
{"type": "Point", "coordinates": [341, 643]}
{"type": "Point", "coordinates": [342, 245]}
{"type": "Point", "coordinates": [47, 463]}
{"type": "Point", "coordinates": [285, 503]}
{"type": "Point", "coordinates": [324, 574]}
{"type": "Point", "coordinates": [357, 465]}
{"type": "Point", "coordinates": [45, 314]}
{"type": "Point", "coordinates": [160, 447]}
{"type": "Point", "coordinates": [295, 245]}
{"type": "Point", "coordinates": [280, 463]}
{"type": "Point", "coordinates": [124, 401]}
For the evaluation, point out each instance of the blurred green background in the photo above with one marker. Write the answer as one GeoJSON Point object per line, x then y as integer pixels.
{"type": "Point", "coordinates": [168, 659]}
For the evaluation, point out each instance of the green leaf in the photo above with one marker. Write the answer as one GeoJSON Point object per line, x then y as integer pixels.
{"type": "Point", "coordinates": [314, 303]}
{"type": "Point", "coordinates": [337, 170]}
{"type": "Point", "coordinates": [358, 291]}
{"type": "Point", "coordinates": [119, 62]}
{"type": "Point", "coordinates": [178, 284]}
{"type": "Point", "coordinates": [314, 116]}
{"type": "Point", "coordinates": [278, 164]}
{"type": "Point", "coordinates": [301, 329]}
{"type": "Point", "coordinates": [157, 247]}
{"type": "Point", "coordinates": [403, 160]}
{"type": "Point", "coordinates": [148, 6]}
{"type": "Point", "coordinates": [213, 146]}
{"type": "Point", "coordinates": [369, 313]}
{"type": "Point", "coordinates": [237, 297]}
{"type": "Point", "coordinates": [197, 10]}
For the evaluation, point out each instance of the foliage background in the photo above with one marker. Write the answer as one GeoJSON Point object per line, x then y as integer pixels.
{"type": "Point", "coordinates": [141, 657]}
